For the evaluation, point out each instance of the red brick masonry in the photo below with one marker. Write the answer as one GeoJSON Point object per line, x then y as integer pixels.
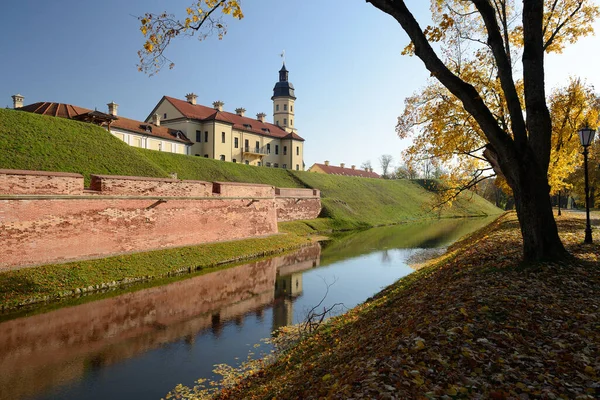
{"type": "Point", "coordinates": [46, 217]}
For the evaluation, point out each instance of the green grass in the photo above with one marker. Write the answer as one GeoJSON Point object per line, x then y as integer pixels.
{"type": "Point", "coordinates": [57, 280]}
{"type": "Point", "coordinates": [37, 142]}
{"type": "Point", "coordinates": [204, 169]}
{"type": "Point", "coordinates": [353, 203]}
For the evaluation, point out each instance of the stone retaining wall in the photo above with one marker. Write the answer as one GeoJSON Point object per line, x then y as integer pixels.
{"type": "Point", "coordinates": [47, 217]}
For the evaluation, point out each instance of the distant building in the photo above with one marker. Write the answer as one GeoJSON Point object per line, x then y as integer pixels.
{"type": "Point", "coordinates": [236, 138]}
{"type": "Point", "coordinates": [135, 133]}
{"type": "Point", "coordinates": [342, 170]}
{"type": "Point", "coordinates": [184, 127]}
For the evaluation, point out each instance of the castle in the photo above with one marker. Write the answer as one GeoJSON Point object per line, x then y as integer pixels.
{"type": "Point", "coordinates": [185, 127]}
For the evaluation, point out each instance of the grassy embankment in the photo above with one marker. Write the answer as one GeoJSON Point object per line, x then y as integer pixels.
{"type": "Point", "coordinates": [473, 323]}
{"type": "Point", "coordinates": [35, 142]}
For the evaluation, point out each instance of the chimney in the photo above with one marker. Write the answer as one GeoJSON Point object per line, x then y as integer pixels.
{"type": "Point", "coordinates": [342, 165]}
{"type": "Point", "coordinates": [218, 105]}
{"type": "Point", "coordinates": [354, 167]}
{"type": "Point", "coordinates": [327, 163]}
{"type": "Point", "coordinates": [156, 119]}
{"type": "Point", "coordinates": [261, 117]}
{"type": "Point", "coordinates": [112, 108]}
{"type": "Point", "coordinates": [17, 100]}
{"type": "Point", "coordinates": [191, 98]}
{"type": "Point", "coordinates": [240, 111]}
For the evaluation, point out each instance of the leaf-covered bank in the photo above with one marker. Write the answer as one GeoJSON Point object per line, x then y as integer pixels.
{"type": "Point", "coordinates": [474, 323]}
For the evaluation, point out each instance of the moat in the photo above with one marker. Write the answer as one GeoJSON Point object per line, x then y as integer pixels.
{"type": "Point", "coordinates": [140, 343]}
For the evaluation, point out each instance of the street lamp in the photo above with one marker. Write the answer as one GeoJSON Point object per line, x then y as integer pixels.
{"type": "Point", "coordinates": [586, 136]}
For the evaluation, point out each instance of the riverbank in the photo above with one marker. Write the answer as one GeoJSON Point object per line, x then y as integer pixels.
{"type": "Point", "coordinates": [472, 323]}
{"type": "Point", "coordinates": [58, 281]}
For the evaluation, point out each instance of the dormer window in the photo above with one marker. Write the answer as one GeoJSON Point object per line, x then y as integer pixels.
{"type": "Point", "coordinates": [265, 130]}
{"type": "Point", "coordinates": [148, 128]}
{"type": "Point", "coordinates": [247, 126]}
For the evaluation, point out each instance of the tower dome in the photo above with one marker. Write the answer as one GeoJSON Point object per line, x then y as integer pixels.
{"type": "Point", "coordinates": [283, 88]}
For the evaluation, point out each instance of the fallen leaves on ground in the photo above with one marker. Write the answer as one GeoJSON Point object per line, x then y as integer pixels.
{"type": "Point", "coordinates": [473, 324]}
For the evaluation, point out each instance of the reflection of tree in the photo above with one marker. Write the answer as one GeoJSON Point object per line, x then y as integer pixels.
{"type": "Point", "coordinates": [386, 258]}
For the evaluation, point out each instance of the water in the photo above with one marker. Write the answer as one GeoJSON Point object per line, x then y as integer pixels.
{"type": "Point", "coordinates": [140, 344]}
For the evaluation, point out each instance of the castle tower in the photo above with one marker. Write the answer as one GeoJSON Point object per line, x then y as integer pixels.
{"type": "Point", "coordinates": [283, 102]}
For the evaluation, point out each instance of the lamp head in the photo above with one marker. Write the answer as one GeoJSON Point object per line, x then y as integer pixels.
{"type": "Point", "coordinates": [586, 135]}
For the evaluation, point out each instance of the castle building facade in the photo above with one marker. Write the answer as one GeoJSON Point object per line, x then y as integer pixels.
{"type": "Point", "coordinates": [234, 137]}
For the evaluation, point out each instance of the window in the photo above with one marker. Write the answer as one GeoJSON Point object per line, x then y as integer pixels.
{"type": "Point", "coordinates": [258, 164]}
{"type": "Point", "coordinates": [246, 162]}
{"type": "Point", "coordinates": [276, 149]}
{"type": "Point", "coordinates": [284, 121]}
{"type": "Point", "coordinates": [222, 137]}
{"type": "Point", "coordinates": [276, 165]}
{"type": "Point", "coordinates": [222, 157]}
{"type": "Point", "coordinates": [165, 116]}
{"type": "Point", "coordinates": [292, 108]}
{"type": "Point", "coordinates": [268, 148]}
{"type": "Point", "coordinates": [197, 155]}
{"type": "Point", "coordinates": [257, 147]}
{"type": "Point", "coordinates": [199, 136]}
{"type": "Point", "coordinates": [284, 166]}
{"type": "Point", "coordinates": [297, 167]}
{"type": "Point", "coordinates": [206, 136]}
{"type": "Point", "coordinates": [268, 164]}
{"type": "Point", "coordinates": [284, 151]}
{"type": "Point", "coordinates": [206, 156]}
{"type": "Point", "coordinates": [246, 145]}
{"type": "Point", "coordinates": [285, 107]}
{"type": "Point", "coordinates": [291, 122]}
{"type": "Point", "coordinates": [236, 142]}
{"type": "Point", "coordinates": [277, 122]}
{"type": "Point", "coordinates": [276, 107]}
{"type": "Point", "coordinates": [234, 160]}
{"type": "Point", "coordinates": [297, 150]}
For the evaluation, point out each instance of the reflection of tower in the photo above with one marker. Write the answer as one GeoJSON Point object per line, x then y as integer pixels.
{"type": "Point", "coordinates": [287, 288]}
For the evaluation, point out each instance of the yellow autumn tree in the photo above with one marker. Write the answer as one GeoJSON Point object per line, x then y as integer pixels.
{"type": "Point", "coordinates": [202, 19]}
{"type": "Point", "coordinates": [571, 108]}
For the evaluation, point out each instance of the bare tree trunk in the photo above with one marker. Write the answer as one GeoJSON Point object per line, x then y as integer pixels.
{"type": "Point", "coordinates": [538, 227]}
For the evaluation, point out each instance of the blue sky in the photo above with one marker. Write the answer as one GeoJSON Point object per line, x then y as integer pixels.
{"type": "Point", "coordinates": [343, 56]}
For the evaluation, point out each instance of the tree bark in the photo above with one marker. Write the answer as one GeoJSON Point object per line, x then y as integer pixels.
{"type": "Point", "coordinates": [534, 210]}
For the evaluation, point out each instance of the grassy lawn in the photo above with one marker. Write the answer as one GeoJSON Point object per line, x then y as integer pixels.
{"type": "Point", "coordinates": [38, 142]}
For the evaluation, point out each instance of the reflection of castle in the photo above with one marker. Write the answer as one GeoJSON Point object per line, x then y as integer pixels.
{"type": "Point", "coordinates": [287, 288]}
{"type": "Point", "coordinates": [45, 350]}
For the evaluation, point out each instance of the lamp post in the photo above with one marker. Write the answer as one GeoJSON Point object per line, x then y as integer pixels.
{"type": "Point", "coordinates": [586, 136]}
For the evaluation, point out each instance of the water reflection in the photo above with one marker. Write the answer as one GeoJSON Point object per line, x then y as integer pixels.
{"type": "Point", "coordinates": [149, 340]}
{"type": "Point", "coordinates": [39, 352]}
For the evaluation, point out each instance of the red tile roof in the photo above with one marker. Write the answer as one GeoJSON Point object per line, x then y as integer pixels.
{"type": "Point", "coordinates": [330, 169]}
{"type": "Point", "coordinates": [70, 111]}
{"type": "Point", "coordinates": [203, 113]}
{"type": "Point", "coordinates": [156, 131]}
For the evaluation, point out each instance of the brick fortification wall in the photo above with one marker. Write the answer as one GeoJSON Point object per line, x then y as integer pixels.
{"type": "Point", "coordinates": [48, 217]}
{"type": "Point", "coordinates": [297, 204]}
